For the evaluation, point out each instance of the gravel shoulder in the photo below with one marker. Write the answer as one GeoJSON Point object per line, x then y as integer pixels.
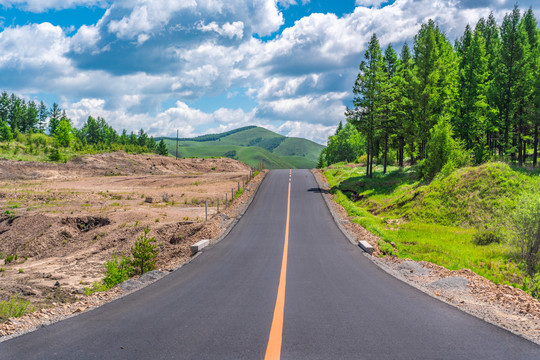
{"type": "Point", "coordinates": [502, 305]}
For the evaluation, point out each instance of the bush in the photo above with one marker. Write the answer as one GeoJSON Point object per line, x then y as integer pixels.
{"type": "Point", "coordinates": [444, 153]}
{"type": "Point", "coordinates": [55, 155]}
{"type": "Point", "coordinates": [5, 132]}
{"type": "Point", "coordinates": [488, 236]}
{"type": "Point", "coordinates": [15, 307]}
{"type": "Point", "coordinates": [117, 270]}
{"type": "Point", "coordinates": [526, 235]}
{"type": "Point", "coordinates": [144, 253]}
{"type": "Point", "coordinates": [532, 285]}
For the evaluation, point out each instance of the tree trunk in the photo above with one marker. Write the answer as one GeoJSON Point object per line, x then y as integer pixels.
{"type": "Point", "coordinates": [412, 153]}
{"type": "Point", "coordinates": [367, 161]}
{"type": "Point", "coordinates": [401, 151]}
{"type": "Point", "coordinates": [535, 149]}
{"type": "Point", "coordinates": [385, 152]}
{"type": "Point", "coordinates": [371, 162]}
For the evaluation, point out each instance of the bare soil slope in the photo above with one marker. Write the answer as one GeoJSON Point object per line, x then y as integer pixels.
{"type": "Point", "coordinates": [61, 222]}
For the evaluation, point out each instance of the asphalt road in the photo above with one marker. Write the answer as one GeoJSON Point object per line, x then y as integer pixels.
{"type": "Point", "coordinates": [337, 304]}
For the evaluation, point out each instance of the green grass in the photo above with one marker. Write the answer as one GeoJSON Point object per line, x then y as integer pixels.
{"type": "Point", "coordinates": [437, 221]}
{"type": "Point", "coordinates": [15, 307]}
{"type": "Point", "coordinates": [252, 145]}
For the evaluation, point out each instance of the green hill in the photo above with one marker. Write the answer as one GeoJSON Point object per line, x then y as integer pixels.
{"type": "Point", "coordinates": [252, 145]}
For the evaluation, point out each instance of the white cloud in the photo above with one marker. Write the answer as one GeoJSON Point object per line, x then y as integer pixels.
{"type": "Point", "coordinates": [374, 3]}
{"type": "Point", "coordinates": [230, 30]}
{"type": "Point", "coordinates": [38, 6]}
{"type": "Point", "coordinates": [33, 47]}
{"type": "Point", "coordinates": [85, 39]}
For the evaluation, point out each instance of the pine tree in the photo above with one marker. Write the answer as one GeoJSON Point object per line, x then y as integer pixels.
{"type": "Point", "coordinates": [388, 105]}
{"type": "Point", "coordinates": [532, 105]}
{"type": "Point", "coordinates": [30, 118]}
{"type": "Point", "coordinates": [162, 148]}
{"type": "Point", "coordinates": [366, 100]}
{"type": "Point", "coordinates": [406, 84]}
{"type": "Point", "coordinates": [43, 114]}
{"type": "Point", "coordinates": [471, 126]}
{"type": "Point", "coordinates": [54, 120]}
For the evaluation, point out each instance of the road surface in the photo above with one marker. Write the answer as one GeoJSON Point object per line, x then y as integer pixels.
{"type": "Point", "coordinates": [285, 283]}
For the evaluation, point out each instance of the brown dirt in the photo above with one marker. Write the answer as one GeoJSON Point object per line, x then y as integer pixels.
{"type": "Point", "coordinates": [63, 221]}
{"type": "Point", "coordinates": [502, 305]}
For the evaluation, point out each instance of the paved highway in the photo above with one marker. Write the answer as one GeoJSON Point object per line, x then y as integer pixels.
{"type": "Point", "coordinates": [285, 283]}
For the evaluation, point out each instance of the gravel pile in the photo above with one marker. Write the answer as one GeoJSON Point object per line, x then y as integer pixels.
{"type": "Point", "coordinates": [412, 268]}
{"type": "Point", "coordinates": [451, 283]}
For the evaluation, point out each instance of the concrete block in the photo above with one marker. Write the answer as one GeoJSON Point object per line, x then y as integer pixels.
{"type": "Point", "coordinates": [366, 246]}
{"type": "Point", "coordinates": [195, 248]}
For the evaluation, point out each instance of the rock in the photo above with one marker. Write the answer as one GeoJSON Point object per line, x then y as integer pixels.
{"type": "Point", "coordinates": [57, 284]}
{"type": "Point", "coordinates": [151, 276]}
{"type": "Point", "coordinates": [412, 268]}
{"type": "Point", "coordinates": [148, 200]}
{"type": "Point", "coordinates": [454, 283]}
{"type": "Point", "coordinates": [130, 285]}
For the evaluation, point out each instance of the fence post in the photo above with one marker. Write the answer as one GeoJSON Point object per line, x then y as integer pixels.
{"type": "Point", "coordinates": [232, 195]}
{"type": "Point", "coordinates": [226, 200]}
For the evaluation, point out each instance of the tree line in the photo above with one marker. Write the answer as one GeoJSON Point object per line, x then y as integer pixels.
{"type": "Point", "coordinates": [484, 90]}
{"type": "Point", "coordinates": [19, 117]}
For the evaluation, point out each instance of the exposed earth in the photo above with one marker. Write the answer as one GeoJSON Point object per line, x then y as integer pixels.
{"type": "Point", "coordinates": [59, 223]}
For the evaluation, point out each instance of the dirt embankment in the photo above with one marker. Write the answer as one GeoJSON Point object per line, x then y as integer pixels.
{"type": "Point", "coordinates": [59, 223]}
{"type": "Point", "coordinates": [502, 305]}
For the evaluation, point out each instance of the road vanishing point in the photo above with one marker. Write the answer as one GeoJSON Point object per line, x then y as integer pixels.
{"type": "Point", "coordinates": [284, 284]}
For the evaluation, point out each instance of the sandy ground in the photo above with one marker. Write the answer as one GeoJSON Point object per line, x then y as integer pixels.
{"type": "Point", "coordinates": [63, 221]}
{"type": "Point", "coordinates": [502, 305]}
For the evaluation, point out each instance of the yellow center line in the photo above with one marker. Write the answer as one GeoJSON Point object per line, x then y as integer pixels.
{"type": "Point", "coordinates": [273, 350]}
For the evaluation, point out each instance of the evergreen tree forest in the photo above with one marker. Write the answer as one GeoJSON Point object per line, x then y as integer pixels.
{"type": "Point", "coordinates": [482, 92]}
{"type": "Point", "coordinates": [50, 131]}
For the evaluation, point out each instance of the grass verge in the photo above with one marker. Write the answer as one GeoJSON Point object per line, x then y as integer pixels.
{"type": "Point", "coordinates": [438, 221]}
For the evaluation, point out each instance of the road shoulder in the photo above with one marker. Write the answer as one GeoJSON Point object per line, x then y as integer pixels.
{"type": "Point", "coordinates": [502, 305]}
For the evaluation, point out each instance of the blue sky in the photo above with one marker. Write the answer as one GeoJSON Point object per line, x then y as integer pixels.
{"type": "Point", "coordinates": [209, 65]}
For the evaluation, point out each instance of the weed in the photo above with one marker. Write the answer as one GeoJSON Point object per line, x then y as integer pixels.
{"type": "Point", "coordinates": [10, 258]}
{"type": "Point", "coordinates": [238, 193]}
{"type": "Point", "coordinates": [21, 271]}
{"type": "Point", "coordinates": [117, 270]}
{"type": "Point", "coordinates": [15, 307]}
{"type": "Point", "coordinates": [488, 236]}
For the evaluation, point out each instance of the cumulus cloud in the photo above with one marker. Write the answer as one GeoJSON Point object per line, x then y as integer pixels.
{"type": "Point", "coordinates": [32, 46]}
{"type": "Point", "coordinates": [142, 54]}
{"type": "Point", "coordinates": [230, 30]}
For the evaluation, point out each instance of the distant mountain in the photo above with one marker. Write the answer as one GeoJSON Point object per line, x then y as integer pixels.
{"type": "Point", "coordinates": [252, 145]}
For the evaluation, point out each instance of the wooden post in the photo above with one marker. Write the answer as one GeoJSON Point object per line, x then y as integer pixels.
{"type": "Point", "coordinates": [206, 210]}
{"type": "Point", "coordinates": [226, 200]}
{"type": "Point", "coordinates": [238, 183]}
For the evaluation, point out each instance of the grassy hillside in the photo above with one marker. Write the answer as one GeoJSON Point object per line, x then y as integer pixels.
{"type": "Point", "coordinates": [439, 221]}
{"type": "Point", "coordinates": [251, 145]}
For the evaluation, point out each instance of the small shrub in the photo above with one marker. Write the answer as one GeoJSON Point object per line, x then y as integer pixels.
{"type": "Point", "coordinates": [21, 271]}
{"type": "Point", "coordinates": [55, 155]}
{"type": "Point", "coordinates": [144, 253]}
{"type": "Point", "coordinates": [532, 285]}
{"type": "Point", "coordinates": [15, 307]}
{"type": "Point", "coordinates": [526, 232]}
{"type": "Point", "coordinates": [488, 236]}
{"type": "Point", "coordinates": [117, 270]}
{"type": "Point", "coordinates": [10, 258]}
{"type": "Point", "coordinates": [386, 248]}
